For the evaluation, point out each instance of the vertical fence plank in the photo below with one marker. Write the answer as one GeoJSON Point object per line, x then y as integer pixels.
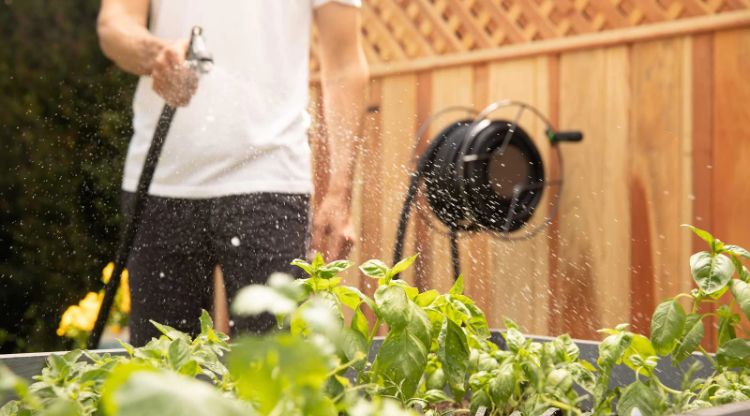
{"type": "Point", "coordinates": [520, 274]}
{"type": "Point", "coordinates": [450, 87]}
{"type": "Point", "coordinates": [476, 253]}
{"type": "Point", "coordinates": [731, 137]}
{"type": "Point", "coordinates": [657, 136]}
{"type": "Point", "coordinates": [593, 243]}
{"type": "Point", "coordinates": [370, 226]}
{"type": "Point", "coordinates": [702, 99]}
{"type": "Point", "coordinates": [398, 123]}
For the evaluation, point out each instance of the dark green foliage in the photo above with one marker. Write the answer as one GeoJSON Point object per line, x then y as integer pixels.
{"type": "Point", "coordinates": [64, 128]}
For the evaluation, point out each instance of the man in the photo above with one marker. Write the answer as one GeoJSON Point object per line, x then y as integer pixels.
{"type": "Point", "coordinates": [234, 180]}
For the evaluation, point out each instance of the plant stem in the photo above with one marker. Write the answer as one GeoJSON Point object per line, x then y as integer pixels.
{"type": "Point", "coordinates": [665, 388]}
{"type": "Point", "coordinates": [562, 406]}
{"type": "Point", "coordinates": [375, 329]}
{"type": "Point", "coordinates": [708, 357]}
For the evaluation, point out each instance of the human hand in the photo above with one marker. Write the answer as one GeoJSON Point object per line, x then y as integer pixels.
{"type": "Point", "coordinates": [333, 228]}
{"type": "Point", "coordinates": [174, 80]}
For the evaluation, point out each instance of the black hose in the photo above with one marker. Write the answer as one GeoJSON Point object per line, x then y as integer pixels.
{"type": "Point", "coordinates": [131, 226]}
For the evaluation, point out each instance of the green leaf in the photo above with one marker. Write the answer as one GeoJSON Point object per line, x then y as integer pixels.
{"type": "Point", "coordinates": [355, 347]}
{"type": "Point", "coordinates": [278, 368]}
{"type": "Point", "coordinates": [302, 264]}
{"type": "Point", "coordinates": [170, 332]}
{"type": "Point", "coordinates": [360, 323]}
{"type": "Point", "coordinates": [411, 291]}
{"type": "Point", "coordinates": [666, 326]}
{"type": "Point", "coordinates": [727, 321]}
{"type": "Point", "coordinates": [349, 296]}
{"type": "Point", "coordinates": [640, 346]}
{"type": "Point", "coordinates": [503, 385]}
{"type": "Point", "coordinates": [641, 398]}
{"type": "Point", "coordinates": [741, 292]}
{"type": "Point", "coordinates": [402, 357]}
{"type": "Point", "coordinates": [453, 353]}
{"type": "Point", "coordinates": [566, 348]}
{"type": "Point", "coordinates": [178, 353]}
{"type": "Point", "coordinates": [317, 262]}
{"type": "Point", "coordinates": [613, 348]}
{"type": "Point", "coordinates": [703, 234]}
{"type": "Point", "coordinates": [515, 339]}
{"type": "Point", "coordinates": [435, 396]}
{"type": "Point", "coordinates": [333, 268]}
{"type": "Point", "coordinates": [146, 393]}
{"type": "Point", "coordinates": [426, 298]}
{"type": "Point", "coordinates": [458, 286]}
{"type": "Point", "coordinates": [207, 323]}
{"type": "Point", "coordinates": [736, 250]}
{"type": "Point", "coordinates": [734, 353]}
{"type": "Point", "coordinates": [392, 306]}
{"type": "Point", "coordinates": [691, 339]}
{"type": "Point", "coordinates": [402, 265]}
{"type": "Point", "coordinates": [711, 272]}
{"type": "Point", "coordinates": [374, 268]}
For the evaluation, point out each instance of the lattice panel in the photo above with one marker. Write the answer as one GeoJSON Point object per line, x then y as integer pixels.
{"type": "Point", "coordinates": [402, 30]}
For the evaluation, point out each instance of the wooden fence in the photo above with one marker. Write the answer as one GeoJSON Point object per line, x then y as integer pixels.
{"type": "Point", "coordinates": [665, 109]}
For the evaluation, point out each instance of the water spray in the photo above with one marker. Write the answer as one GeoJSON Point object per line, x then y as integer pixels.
{"type": "Point", "coordinates": [199, 60]}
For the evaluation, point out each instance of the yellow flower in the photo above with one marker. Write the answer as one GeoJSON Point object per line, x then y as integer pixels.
{"type": "Point", "coordinates": [67, 319]}
{"type": "Point", "coordinates": [89, 311]}
{"type": "Point", "coordinates": [107, 272]}
{"type": "Point", "coordinates": [123, 298]}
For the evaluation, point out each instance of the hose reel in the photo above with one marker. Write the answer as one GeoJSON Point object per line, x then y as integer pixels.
{"type": "Point", "coordinates": [486, 175]}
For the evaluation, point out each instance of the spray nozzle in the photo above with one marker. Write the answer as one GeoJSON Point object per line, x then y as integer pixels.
{"type": "Point", "coordinates": [198, 56]}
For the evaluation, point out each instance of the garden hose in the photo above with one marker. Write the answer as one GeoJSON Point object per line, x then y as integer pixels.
{"type": "Point", "coordinates": [199, 59]}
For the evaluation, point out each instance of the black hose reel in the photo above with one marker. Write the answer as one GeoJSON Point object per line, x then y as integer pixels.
{"type": "Point", "coordinates": [482, 174]}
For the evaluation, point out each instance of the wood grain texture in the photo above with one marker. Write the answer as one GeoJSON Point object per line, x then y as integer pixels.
{"type": "Point", "coordinates": [594, 231]}
{"type": "Point", "coordinates": [398, 124]}
{"type": "Point", "coordinates": [731, 138]}
{"type": "Point", "coordinates": [666, 126]}
{"type": "Point", "coordinates": [656, 174]}
{"type": "Point", "coordinates": [450, 87]}
{"type": "Point", "coordinates": [370, 226]}
{"type": "Point", "coordinates": [520, 274]}
{"type": "Point", "coordinates": [702, 152]}
{"type": "Point", "coordinates": [476, 249]}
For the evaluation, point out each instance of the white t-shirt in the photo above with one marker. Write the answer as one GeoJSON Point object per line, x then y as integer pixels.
{"type": "Point", "coordinates": [245, 129]}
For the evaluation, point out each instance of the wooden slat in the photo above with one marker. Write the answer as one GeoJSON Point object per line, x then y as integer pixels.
{"type": "Point", "coordinates": [731, 130]}
{"type": "Point", "coordinates": [476, 254]}
{"type": "Point", "coordinates": [594, 248]}
{"type": "Point", "coordinates": [398, 123]}
{"type": "Point", "coordinates": [450, 87]}
{"type": "Point", "coordinates": [423, 244]}
{"type": "Point", "coordinates": [370, 231]}
{"type": "Point", "coordinates": [731, 146]}
{"type": "Point", "coordinates": [702, 152]}
{"type": "Point", "coordinates": [657, 70]}
{"type": "Point", "coordinates": [512, 33]}
{"type": "Point", "coordinates": [520, 283]}
{"type": "Point", "coordinates": [697, 25]}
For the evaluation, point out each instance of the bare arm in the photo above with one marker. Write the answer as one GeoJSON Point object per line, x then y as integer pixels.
{"type": "Point", "coordinates": [344, 78]}
{"type": "Point", "coordinates": [125, 39]}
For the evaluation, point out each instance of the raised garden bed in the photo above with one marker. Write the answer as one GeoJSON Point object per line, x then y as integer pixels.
{"type": "Point", "coordinates": [438, 356]}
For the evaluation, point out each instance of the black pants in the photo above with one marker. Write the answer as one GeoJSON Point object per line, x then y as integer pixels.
{"type": "Point", "coordinates": [179, 241]}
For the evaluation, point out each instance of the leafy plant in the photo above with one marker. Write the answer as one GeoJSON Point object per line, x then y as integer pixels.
{"type": "Point", "coordinates": [436, 356]}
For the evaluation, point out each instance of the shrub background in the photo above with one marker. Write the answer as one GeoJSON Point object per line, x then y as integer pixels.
{"type": "Point", "coordinates": [64, 129]}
